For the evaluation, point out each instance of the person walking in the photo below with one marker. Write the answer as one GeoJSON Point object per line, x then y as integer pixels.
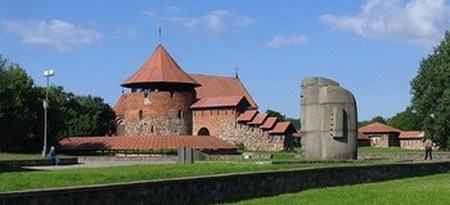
{"type": "Point", "coordinates": [428, 149]}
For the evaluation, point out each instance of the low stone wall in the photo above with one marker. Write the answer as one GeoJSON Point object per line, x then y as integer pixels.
{"type": "Point", "coordinates": [39, 162]}
{"type": "Point", "coordinates": [404, 156]}
{"type": "Point", "coordinates": [222, 188]}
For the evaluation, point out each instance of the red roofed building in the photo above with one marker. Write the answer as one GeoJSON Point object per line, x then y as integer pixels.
{"type": "Point", "coordinates": [166, 101]}
{"type": "Point", "coordinates": [381, 135]}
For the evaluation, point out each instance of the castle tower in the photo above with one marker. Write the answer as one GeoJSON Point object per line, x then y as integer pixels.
{"type": "Point", "coordinates": [160, 99]}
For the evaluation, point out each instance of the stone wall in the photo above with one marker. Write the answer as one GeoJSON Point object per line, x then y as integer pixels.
{"type": "Point", "coordinates": [253, 138]}
{"type": "Point", "coordinates": [221, 188]}
{"type": "Point", "coordinates": [212, 119]}
{"type": "Point", "coordinates": [412, 144]}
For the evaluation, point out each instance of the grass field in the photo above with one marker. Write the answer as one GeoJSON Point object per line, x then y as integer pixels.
{"type": "Point", "coordinates": [419, 190]}
{"type": "Point", "coordinates": [11, 156]}
{"type": "Point", "coordinates": [22, 180]}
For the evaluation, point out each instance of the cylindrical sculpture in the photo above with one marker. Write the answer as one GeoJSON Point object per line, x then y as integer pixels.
{"type": "Point", "coordinates": [328, 120]}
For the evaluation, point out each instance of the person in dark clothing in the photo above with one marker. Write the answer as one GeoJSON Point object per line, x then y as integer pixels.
{"type": "Point", "coordinates": [52, 155]}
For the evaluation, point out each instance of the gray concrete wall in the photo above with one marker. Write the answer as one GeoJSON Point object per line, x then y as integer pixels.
{"type": "Point", "coordinates": [221, 188]}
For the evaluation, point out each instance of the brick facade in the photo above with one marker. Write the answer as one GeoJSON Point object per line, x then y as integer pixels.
{"type": "Point", "coordinates": [158, 113]}
{"type": "Point", "coordinates": [212, 119]}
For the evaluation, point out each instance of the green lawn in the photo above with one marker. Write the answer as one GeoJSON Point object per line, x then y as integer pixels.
{"type": "Point", "coordinates": [12, 156]}
{"type": "Point", "coordinates": [21, 180]}
{"type": "Point", "coordinates": [419, 190]}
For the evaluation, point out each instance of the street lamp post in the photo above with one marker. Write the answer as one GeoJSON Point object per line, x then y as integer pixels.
{"type": "Point", "coordinates": [47, 74]}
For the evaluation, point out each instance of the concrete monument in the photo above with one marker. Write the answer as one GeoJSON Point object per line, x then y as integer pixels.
{"type": "Point", "coordinates": [328, 120]}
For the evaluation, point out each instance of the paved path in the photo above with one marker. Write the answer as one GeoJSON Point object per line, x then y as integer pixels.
{"type": "Point", "coordinates": [100, 163]}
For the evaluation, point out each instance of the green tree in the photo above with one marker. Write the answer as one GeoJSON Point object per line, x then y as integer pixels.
{"type": "Point", "coordinates": [431, 93]}
{"type": "Point", "coordinates": [406, 120]}
{"type": "Point", "coordinates": [22, 113]}
{"type": "Point", "coordinates": [295, 121]}
{"type": "Point", "coordinates": [379, 119]}
{"type": "Point", "coordinates": [91, 116]}
{"type": "Point", "coordinates": [273, 113]}
{"type": "Point", "coordinates": [18, 108]}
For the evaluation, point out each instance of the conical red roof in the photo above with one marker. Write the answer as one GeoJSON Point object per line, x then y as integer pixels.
{"type": "Point", "coordinates": [159, 68]}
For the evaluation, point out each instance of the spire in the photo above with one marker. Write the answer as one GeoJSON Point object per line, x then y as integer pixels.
{"type": "Point", "coordinates": [236, 70]}
{"type": "Point", "coordinates": [159, 68]}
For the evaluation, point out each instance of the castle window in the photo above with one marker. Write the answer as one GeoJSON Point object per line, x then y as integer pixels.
{"type": "Point", "coordinates": [141, 114]}
{"type": "Point", "coordinates": [171, 94]}
{"type": "Point", "coordinates": [151, 128]}
{"type": "Point", "coordinates": [180, 114]}
{"type": "Point", "coordinates": [210, 112]}
{"type": "Point", "coordinates": [218, 112]}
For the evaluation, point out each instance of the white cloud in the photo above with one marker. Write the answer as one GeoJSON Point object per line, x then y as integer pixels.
{"type": "Point", "coordinates": [290, 41]}
{"type": "Point", "coordinates": [55, 33]}
{"type": "Point", "coordinates": [420, 22]}
{"type": "Point", "coordinates": [218, 21]}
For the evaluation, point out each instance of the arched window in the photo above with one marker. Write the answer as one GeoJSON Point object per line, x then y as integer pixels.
{"type": "Point", "coordinates": [203, 132]}
{"type": "Point", "coordinates": [141, 114]}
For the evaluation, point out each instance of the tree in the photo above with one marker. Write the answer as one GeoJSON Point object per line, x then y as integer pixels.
{"type": "Point", "coordinates": [91, 116]}
{"type": "Point", "coordinates": [431, 93]}
{"type": "Point", "coordinates": [295, 121]}
{"type": "Point", "coordinates": [379, 119]}
{"type": "Point", "coordinates": [406, 120]}
{"type": "Point", "coordinates": [273, 113]}
{"type": "Point", "coordinates": [18, 108]}
{"type": "Point", "coordinates": [22, 113]}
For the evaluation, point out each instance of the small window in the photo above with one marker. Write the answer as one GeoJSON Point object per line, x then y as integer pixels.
{"type": "Point", "coordinates": [151, 129]}
{"type": "Point", "coordinates": [171, 94]}
{"type": "Point", "coordinates": [180, 114]}
{"type": "Point", "coordinates": [218, 112]}
{"type": "Point", "coordinates": [141, 114]}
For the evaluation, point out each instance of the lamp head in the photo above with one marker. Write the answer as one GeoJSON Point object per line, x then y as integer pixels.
{"type": "Point", "coordinates": [49, 73]}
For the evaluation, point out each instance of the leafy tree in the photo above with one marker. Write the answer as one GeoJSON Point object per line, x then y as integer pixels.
{"type": "Point", "coordinates": [431, 93]}
{"type": "Point", "coordinates": [273, 113]}
{"type": "Point", "coordinates": [364, 123]}
{"type": "Point", "coordinates": [18, 111]}
{"type": "Point", "coordinates": [91, 117]}
{"type": "Point", "coordinates": [406, 120]}
{"type": "Point", "coordinates": [22, 113]}
{"type": "Point", "coordinates": [295, 121]}
{"type": "Point", "coordinates": [379, 119]}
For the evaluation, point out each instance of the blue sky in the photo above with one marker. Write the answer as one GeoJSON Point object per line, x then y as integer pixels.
{"type": "Point", "coordinates": [373, 48]}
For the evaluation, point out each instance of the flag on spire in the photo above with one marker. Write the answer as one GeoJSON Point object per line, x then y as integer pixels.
{"type": "Point", "coordinates": [159, 31]}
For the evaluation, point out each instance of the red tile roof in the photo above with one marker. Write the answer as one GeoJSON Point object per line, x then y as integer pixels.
{"type": "Point", "coordinates": [159, 68]}
{"type": "Point", "coordinates": [119, 108]}
{"type": "Point", "coordinates": [216, 86]}
{"type": "Point", "coordinates": [269, 123]}
{"type": "Point", "coordinates": [147, 143]}
{"type": "Point", "coordinates": [247, 116]}
{"type": "Point", "coordinates": [283, 128]}
{"type": "Point", "coordinates": [223, 101]}
{"type": "Point", "coordinates": [259, 119]}
{"type": "Point", "coordinates": [378, 128]}
{"type": "Point", "coordinates": [362, 136]}
{"type": "Point", "coordinates": [411, 135]}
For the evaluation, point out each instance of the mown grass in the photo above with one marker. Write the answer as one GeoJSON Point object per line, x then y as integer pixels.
{"type": "Point", "coordinates": [11, 181]}
{"type": "Point", "coordinates": [14, 156]}
{"type": "Point", "coordinates": [419, 190]}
